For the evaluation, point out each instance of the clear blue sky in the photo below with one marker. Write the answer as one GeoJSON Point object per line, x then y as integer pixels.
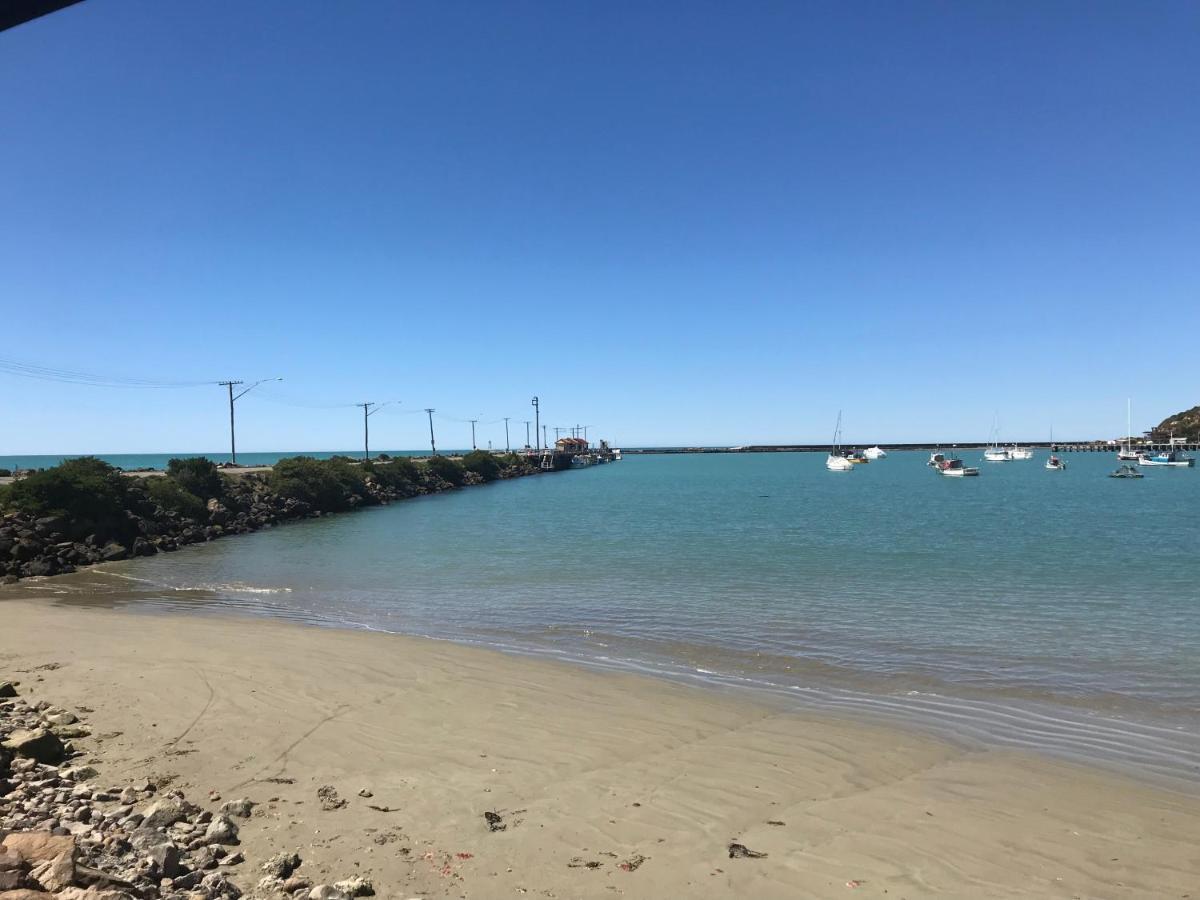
{"type": "Point", "coordinates": [681, 222]}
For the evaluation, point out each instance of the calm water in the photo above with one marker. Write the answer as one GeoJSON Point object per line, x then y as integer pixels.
{"type": "Point", "coordinates": [1025, 607]}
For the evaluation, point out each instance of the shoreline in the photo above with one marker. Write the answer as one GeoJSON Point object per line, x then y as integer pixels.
{"type": "Point", "coordinates": [597, 762]}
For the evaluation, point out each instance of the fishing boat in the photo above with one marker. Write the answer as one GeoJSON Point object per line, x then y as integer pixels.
{"type": "Point", "coordinates": [936, 458]}
{"type": "Point", "coordinates": [1126, 471]}
{"type": "Point", "coordinates": [836, 461]}
{"type": "Point", "coordinates": [1127, 452]}
{"type": "Point", "coordinates": [1055, 464]}
{"type": "Point", "coordinates": [953, 468]}
{"type": "Point", "coordinates": [856, 456]}
{"type": "Point", "coordinates": [1176, 458]}
{"type": "Point", "coordinates": [875, 452]}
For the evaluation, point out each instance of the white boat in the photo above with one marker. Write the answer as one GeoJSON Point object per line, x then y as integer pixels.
{"type": "Point", "coordinates": [954, 468]}
{"type": "Point", "coordinates": [994, 452]}
{"type": "Point", "coordinates": [875, 453]}
{"type": "Point", "coordinates": [836, 461]}
{"type": "Point", "coordinates": [1176, 458]}
{"type": "Point", "coordinates": [936, 458]}
{"type": "Point", "coordinates": [1015, 452]}
{"type": "Point", "coordinates": [1127, 452]}
{"type": "Point", "coordinates": [1055, 463]}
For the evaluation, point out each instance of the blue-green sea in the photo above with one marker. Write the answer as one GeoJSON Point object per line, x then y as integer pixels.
{"type": "Point", "coordinates": [1026, 607]}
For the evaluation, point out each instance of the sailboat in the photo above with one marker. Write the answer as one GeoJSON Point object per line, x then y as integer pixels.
{"type": "Point", "coordinates": [994, 452]}
{"type": "Point", "coordinates": [1054, 463]}
{"type": "Point", "coordinates": [1127, 451]}
{"type": "Point", "coordinates": [836, 462]}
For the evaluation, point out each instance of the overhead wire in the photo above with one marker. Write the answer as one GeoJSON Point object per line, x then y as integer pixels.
{"type": "Point", "coordinates": [72, 376]}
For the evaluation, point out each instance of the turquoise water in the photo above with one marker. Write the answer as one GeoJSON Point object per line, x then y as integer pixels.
{"type": "Point", "coordinates": [1059, 610]}
{"type": "Point", "coordinates": [132, 461]}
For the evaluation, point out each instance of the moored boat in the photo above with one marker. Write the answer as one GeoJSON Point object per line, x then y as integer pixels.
{"type": "Point", "coordinates": [875, 452]}
{"type": "Point", "coordinates": [1127, 452]}
{"type": "Point", "coordinates": [1055, 464]}
{"type": "Point", "coordinates": [936, 458]}
{"type": "Point", "coordinates": [1015, 452]}
{"type": "Point", "coordinates": [953, 467]}
{"type": "Point", "coordinates": [997, 454]}
{"type": "Point", "coordinates": [1126, 471]}
{"type": "Point", "coordinates": [837, 461]}
{"type": "Point", "coordinates": [1176, 458]}
{"type": "Point", "coordinates": [856, 456]}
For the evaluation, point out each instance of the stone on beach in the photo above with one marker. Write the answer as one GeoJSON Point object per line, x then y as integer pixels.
{"type": "Point", "coordinates": [166, 812]}
{"type": "Point", "coordinates": [36, 743]}
{"type": "Point", "coordinates": [240, 808]}
{"type": "Point", "coordinates": [221, 830]}
{"type": "Point", "coordinates": [281, 865]}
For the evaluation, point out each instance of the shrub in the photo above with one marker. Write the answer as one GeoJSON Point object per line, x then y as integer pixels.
{"type": "Point", "coordinates": [90, 492]}
{"type": "Point", "coordinates": [5, 473]}
{"type": "Point", "coordinates": [169, 494]}
{"type": "Point", "coordinates": [398, 474]}
{"type": "Point", "coordinates": [446, 469]}
{"type": "Point", "coordinates": [327, 484]}
{"type": "Point", "coordinates": [483, 464]}
{"type": "Point", "coordinates": [197, 475]}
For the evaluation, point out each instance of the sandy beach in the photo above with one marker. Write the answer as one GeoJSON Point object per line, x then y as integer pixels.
{"type": "Point", "coordinates": [606, 784]}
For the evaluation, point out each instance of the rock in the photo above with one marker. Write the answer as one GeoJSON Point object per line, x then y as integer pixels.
{"type": "Point", "coordinates": [296, 883]}
{"type": "Point", "coordinates": [38, 846]}
{"type": "Point", "coordinates": [41, 567]}
{"type": "Point", "coordinates": [327, 892]}
{"type": "Point", "coordinates": [240, 808]}
{"type": "Point", "coordinates": [112, 551]}
{"type": "Point", "coordinates": [60, 717]}
{"type": "Point", "coordinates": [281, 865]}
{"type": "Point", "coordinates": [81, 773]}
{"type": "Point", "coordinates": [166, 812]}
{"type": "Point", "coordinates": [166, 857]}
{"type": "Point", "coordinates": [55, 874]}
{"type": "Point", "coordinates": [36, 743]}
{"type": "Point", "coordinates": [11, 880]}
{"type": "Point", "coordinates": [221, 830]}
{"type": "Point", "coordinates": [356, 886]}
{"type": "Point", "coordinates": [329, 798]}
{"type": "Point", "coordinates": [7, 689]}
{"type": "Point", "coordinates": [142, 547]}
{"type": "Point", "coordinates": [217, 885]}
{"type": "Point", "coordinates": [26, 895]}
{"type": "Point", "coordinates": [9, 859]}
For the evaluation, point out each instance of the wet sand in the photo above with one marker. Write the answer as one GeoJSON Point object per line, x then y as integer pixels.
{"type": "Point", "coordinates": [649, 780]}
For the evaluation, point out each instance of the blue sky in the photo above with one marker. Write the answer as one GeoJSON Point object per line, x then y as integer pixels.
{"type": "Point", "coordinates": [679, 222]}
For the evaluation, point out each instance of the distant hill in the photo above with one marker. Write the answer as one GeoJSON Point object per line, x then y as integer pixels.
{"type": "Point", "coordinates": [1185, 425]}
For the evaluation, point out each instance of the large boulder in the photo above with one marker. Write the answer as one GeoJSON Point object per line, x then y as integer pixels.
{"type": "Point", "coordinates": [221, 830]}
{"type": "Point", "coordinates": [36, 743]}
{"type": "Point", "coordinates": [112, 551]}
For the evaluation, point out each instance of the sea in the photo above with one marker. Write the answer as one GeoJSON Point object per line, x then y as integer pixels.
{"type": "Point", "coordinates": [1025, 608]}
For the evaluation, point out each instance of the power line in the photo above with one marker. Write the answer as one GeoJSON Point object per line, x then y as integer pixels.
{"type": "Point", "coordinates": [70, 376]}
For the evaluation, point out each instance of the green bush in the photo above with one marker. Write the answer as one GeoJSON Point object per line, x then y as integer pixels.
{"type": "Point", "coordinates": [399, 474]}
{"type": "Point", "coordinates": [446, 469]}
{"type": "Point", "coordinates": [90, 492]}
{"type": "Point", "coordinates": [5, 473]}
{"type": "Point", "coordinates": [326, 484]}
{"type": "Point", "coordinates": [483, 464]}
{"type": "Point", "coordinates": [197, 475]}
{"type": "Point", "coordinates": [169, 494]}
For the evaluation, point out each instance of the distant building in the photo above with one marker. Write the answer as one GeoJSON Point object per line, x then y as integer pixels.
{"type": "Point", "coordinates": [571, 445]}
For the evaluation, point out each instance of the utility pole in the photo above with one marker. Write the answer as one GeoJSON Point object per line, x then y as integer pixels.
{"type": "Point", "coordinates": [432, 445]}
{"type": "Point", "coordinates": [367, 413]}
{"type": "Point", "coordinates": [537, 418]}
{"type": "Point", "coordinates": [473, 421]}
{"type": "Point", "coordinates": [527, 445]}
{"type": "Point", "coordinates": [232, 398]}
{"type": "Point", "coordinates": [557, 429]}
{"type": "Point", "coordinates": [545, 443]}
{"type": "Point", "coordinates": [507, 445]}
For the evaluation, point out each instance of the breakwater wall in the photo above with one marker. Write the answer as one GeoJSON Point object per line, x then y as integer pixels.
{"type": "Point", "coordinates": [85, 511]}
